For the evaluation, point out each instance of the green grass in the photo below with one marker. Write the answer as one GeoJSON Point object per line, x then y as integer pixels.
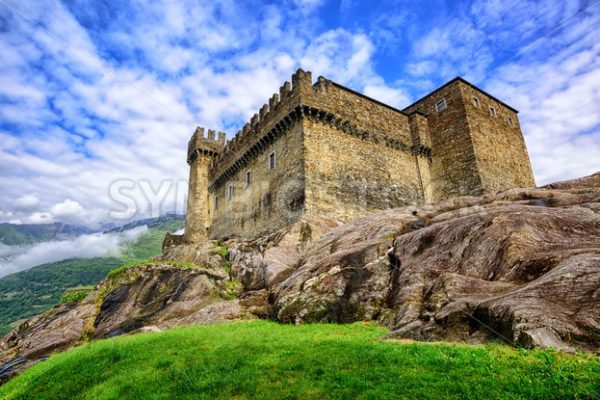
{"type": "Point", "coordinates": [264, 360]}
{"type": "Point", "coordinates": [76, 294]}
{"type": "Point", "coordinates": [115, 273]}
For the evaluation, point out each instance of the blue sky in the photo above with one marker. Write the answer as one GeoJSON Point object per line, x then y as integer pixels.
{"type": "Point", "coordinates": [98, 95]}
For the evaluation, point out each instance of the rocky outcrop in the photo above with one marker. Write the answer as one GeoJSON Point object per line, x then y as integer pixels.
{"type": "Point", "coordinates": [153, 296]}
{"type": "Point", "coordinates": [522, 266]}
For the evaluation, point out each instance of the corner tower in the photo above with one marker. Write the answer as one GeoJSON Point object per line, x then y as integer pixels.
{"type": "Point", "coordinates": [201, 152]}
{"type": "Point", "coordinates": [477, 146]}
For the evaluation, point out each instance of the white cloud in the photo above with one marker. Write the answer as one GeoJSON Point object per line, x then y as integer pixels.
{"type": "Point", "coordinates": [309, 5]}
{"type": "Point", "coordinates": [39, 218]}
{"type": "Point", "coordinates": [68, 208]}
{"type": "Point", "coordinates": [19, 258]}
{"type": "Point", "coordinates": [26, 202]}
{"type": "Point", "coordinates": [340, 55]}
{"type": "Point", "coordinates": [394, 97]}
{"type": "Point", "coordinates": [422, 68]}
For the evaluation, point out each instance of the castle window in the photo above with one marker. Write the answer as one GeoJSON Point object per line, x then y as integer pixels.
{"type": "Point", "coordinates": [492, 111]}
{"type": "Point", "coordinates": [216, 202]}
{"type": "Point", "coordinates": [510, 122]}
{"type": "Point", "coordinates": [440, 105]}
{"type": "Point", "coordinates": [230, 191]}
{"type": "Point", "coordinates": [248, 178]}
{"type": "Point", "coordinates": [272, 161]}
{"type": "Point", "coordinates": [476, 102]}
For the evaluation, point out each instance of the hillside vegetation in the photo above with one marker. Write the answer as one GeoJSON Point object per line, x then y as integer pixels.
{"type": "Point", "coordinates": [12, 234]}
{"type": "Point", "coordinates": [28, 293]}
{"type": "Point", "coordinates": [264, 360]}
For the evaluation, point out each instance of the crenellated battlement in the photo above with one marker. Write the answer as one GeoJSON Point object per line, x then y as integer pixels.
{"type": "Point", "coordinates": [279, 105]}
{"type": "Point", "coordinates": [210, 144]}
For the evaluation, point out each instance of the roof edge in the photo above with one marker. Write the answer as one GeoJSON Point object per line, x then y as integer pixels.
{"type": "Point", "coordinates": [460, 79]}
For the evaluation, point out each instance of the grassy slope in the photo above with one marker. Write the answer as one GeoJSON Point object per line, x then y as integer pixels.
{"type": "Point", "coordinates": [28, 293]}
{"type": "Point", "coordinates": [264, 360]}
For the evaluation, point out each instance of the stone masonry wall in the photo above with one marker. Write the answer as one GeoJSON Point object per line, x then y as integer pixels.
{"type": "Point", "coordinates": [197, 220]}
{"type": "Point", "coordinates": [274, 198]}
{"type": "Point", "coordinates": [347, 176]}
{"type": "Point", "coordinates": [499, 145]}
{"type": "Point", "coordinates": [454, 170]}
{"type": "Point", "coordinates": [366, 168]}
{"type": "Point", "coordinates": [368, 114]}
{"type": "Point", "coordinates": [248, 141]}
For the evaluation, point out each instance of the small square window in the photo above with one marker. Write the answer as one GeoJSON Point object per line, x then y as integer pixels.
{"type": "Point", "coordinates": [492, 111]}
{"type": "Point", "coordinates": [272, 161]}
{"type": "Point", "coordinates": [248, 178]}
{"type": "Point", "coordinates": [475, 102]}
{"type": "Point", "coordinates": [230, 191]}
{"type": "Point", "coordinates": [440, 105]}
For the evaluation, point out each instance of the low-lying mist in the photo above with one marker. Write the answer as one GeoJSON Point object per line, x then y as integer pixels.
{"type": "Point", "coordinates": [19, 258]}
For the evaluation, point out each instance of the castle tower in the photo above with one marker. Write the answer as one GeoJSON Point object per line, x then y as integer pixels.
{"type": "Point", "coordinates": [201, 152]}
{"type": "Point", "coordinates": [476, 142]}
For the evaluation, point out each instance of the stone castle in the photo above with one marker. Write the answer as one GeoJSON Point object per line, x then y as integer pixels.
{"type": "Point", "coordinates": [324, 149]}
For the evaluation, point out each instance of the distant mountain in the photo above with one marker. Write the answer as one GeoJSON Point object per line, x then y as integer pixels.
{"type": "Point", "coordinates": [152, 223]}
{"type": "Point", "coordinates": [12, 234]}
{"type": "Point", "coordinates": [26, 234]}
{"type": "Point", "coordinates": [27, 293]}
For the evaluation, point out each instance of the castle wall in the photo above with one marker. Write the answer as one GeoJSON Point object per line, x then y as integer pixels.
{"type": "Point", "coordinates": [500, 149]}
{"type": "Point", "coordinates": [341, 154]}
{"type": "Point", "coordinates": [359, 161]}
{"type": "Point", "coordinates": [368, 114]}
{"type": "Point", "coordinates": [454, 170]}
{"type": "Point", "coordinates": [347, 176]}
{"type": "Point", "coordinates": [421, 138]}
{"type": "Point", "coordinates": [197, 220]}
{"type": "Point", "coordinates": [274, 198]}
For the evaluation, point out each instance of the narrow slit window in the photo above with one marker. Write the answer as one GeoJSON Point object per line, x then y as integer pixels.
{"type": "Point", "coordinates": [272, 161]}
{"type": "Point", "coordinates": [230, 192]}
{"type": "Point", "coordinates": [510, 122]}
{"type": "Point", "coordinates": [492, 111]}
{"type": "Point", "coordinates": [248, 178]}
{"type": "Point", "coordinates": [476, 102]}
{"type": "Point", "coordinates": [440, 105]}
{"type": "Point", "coordinates": [216, 202]}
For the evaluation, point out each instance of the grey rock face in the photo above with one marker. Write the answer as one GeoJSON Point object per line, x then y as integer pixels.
{"type": "Point", "coordinates": [522, 266]}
